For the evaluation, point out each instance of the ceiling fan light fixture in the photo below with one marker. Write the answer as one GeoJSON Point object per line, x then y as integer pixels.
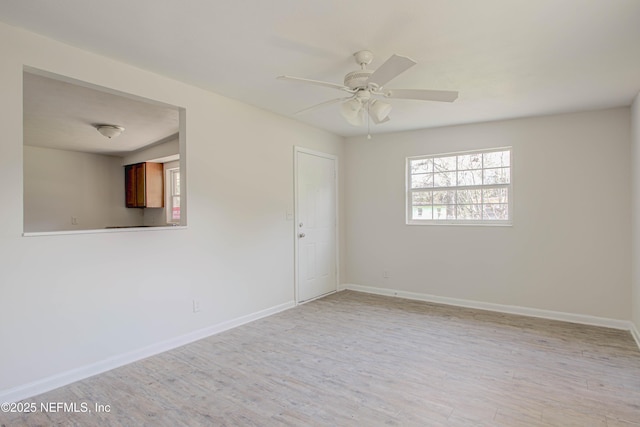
{"type": "Point", "coordinates": [352, 111]}
{"type": "Point", "coordinates": [379, 109]}
{"type": "Point", "coordinates": [358, 119]}
{"type": "Point", "coordinates": [351, 106]}
{"type": "Point", "coordinates": [110, 131]}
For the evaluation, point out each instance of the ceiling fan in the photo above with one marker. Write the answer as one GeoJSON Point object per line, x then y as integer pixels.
{"type": "Point", "coordinates": [366, 88]}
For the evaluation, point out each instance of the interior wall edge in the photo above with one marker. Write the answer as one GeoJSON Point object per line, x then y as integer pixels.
{"type": "Point", "coordinates": [501, 308]}
{"type": "Point", "coordinates": [635, 212]}
{"type": "Point", "coordinates": [44, 385]}
{"type": "Point", "coordinates": [635, 333]}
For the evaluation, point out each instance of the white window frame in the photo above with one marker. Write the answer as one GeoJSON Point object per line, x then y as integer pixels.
{"type": "Point", "coordinates": [490, 222]}
{"type": "Point", "coordinates": [169, 195]}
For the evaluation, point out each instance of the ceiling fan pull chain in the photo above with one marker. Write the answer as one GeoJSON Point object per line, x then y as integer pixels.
{"type": "Point", "coordinates": [368, 122]}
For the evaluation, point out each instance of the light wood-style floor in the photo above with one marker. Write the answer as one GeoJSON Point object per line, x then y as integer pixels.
{"type": "Point", "coordinates": [354, 359]}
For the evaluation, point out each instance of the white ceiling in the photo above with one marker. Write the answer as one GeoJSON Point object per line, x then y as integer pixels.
{"type": "Point", "coordinates": [507, 58]}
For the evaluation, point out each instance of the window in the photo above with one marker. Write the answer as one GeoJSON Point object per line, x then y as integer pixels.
{"type": "Point", "coordinates": [460, 188]}
{"type": "Point", "coordinates": [172, 179]}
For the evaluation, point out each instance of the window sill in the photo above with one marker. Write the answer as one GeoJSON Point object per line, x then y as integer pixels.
{"type": "Point", "coordinates": [104, 230]}
{"type": "Point", "coordinates": [456, 223]}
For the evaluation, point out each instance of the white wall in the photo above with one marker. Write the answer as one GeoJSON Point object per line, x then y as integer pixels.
{"type": "Point", "coordinates": [62, 184]}
{"type": "Point", "coordinates": [635, 197]}
{"type": "Point", "coordinates": [69, 301]}
{"type": "Point", "coordinates": [568, 249]}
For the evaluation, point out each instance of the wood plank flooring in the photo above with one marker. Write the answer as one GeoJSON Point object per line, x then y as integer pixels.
{"type": "Point", "coordinates": [354, 359]}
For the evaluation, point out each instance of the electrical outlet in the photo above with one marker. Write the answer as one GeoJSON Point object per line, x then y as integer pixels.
{"type": "Point", "coordinates": [74, 220]}
{"type": "Point", "coordinates": [385, 274]}
{"type": "Point", "coordinates": [196, 306]}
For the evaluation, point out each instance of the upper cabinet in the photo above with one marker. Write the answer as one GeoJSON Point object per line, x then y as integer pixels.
{"type": "Point", "coordinates": [144, 185]}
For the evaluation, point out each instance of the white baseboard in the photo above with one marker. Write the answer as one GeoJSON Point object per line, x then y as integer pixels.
{"type": "Point", "coordinates": [64, 378]}
{"type": "Point", "coordinates": [501, 308]}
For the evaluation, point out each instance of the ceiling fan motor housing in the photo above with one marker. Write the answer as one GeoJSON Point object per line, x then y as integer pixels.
{"type": "Point", "coordinates": [357, 79]}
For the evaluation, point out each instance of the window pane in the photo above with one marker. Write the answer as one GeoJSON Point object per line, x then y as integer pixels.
{"type": "Point", "coordinates": [444, 164]}
{"type": "Point", "coordinates": [444, 212]}
{"type": "Point", "coordinates": [422, 212]}
{"type": "Point", "coordinates": [495, 195]}
{"type": "Point", "coordinates": [175, 208]}
{"type": "Point", "coordinates": [422, 197]}
{"type": "Point", "coordinates": [446, 197]}
{"type": "Point", "coordinates": [422, 180]}
{"type": "Point", "coordinates": [472, 177]}
{"type": "Point", "coordinates": [496, 176]}
{"type": "Point", "coordinates": [466, 197]}
{"type": "Point", "coordinates": [497, 159]}
{"type": "Point", "coordinates": [496, 211]}
{"type": "Point", "coordinates": [469, 212]}
{"type": "Point", "coordinates": [470, 161]}
{"type": "Point", "coordinates": [175, 178]}
{"type": "Point", "coordinates": [421, 166]}
{"type": "Point", "coordinates": [445, 179]}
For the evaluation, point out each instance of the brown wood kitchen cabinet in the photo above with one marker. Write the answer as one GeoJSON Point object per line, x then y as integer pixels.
{"type": "Point", "coordinates": [144, 185]}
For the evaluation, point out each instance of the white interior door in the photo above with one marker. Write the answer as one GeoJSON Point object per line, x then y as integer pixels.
{"type": "Point", "coordinates": [316, 272]}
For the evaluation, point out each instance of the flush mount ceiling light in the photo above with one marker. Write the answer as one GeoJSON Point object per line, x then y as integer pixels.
{"type": "Point", "coordinates": [110, 131]}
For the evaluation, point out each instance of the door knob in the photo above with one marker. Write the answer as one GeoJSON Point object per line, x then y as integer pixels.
{"type": "Point", "coordinates": [301, 235]}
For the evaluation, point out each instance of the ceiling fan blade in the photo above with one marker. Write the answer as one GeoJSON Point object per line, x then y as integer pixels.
{"type": "Point", "coordinates": [322, 104]}
{"type": "Point", "coordinates": [393, 67]}
{"type": "Point", "coordinates": [423, 94]}
{"type": "Point", "coordinates": [316, 82]}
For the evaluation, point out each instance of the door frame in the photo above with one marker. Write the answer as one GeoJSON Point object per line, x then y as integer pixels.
{"type": "Point", "coordinates": [296, 219]}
